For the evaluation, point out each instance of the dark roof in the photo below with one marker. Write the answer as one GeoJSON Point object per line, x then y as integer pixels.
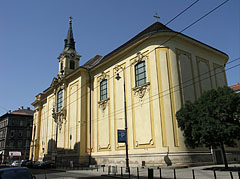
{"type": "Point", "coordinates": [152, 29]}
{"type": "Point", "coordinates": [92, 61]}
{"type": "Point", "coordinates": [156, 27]}
{"type": "Point", "coordinates": [69, 41]}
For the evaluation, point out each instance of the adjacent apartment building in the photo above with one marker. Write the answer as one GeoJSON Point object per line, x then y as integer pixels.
{"type": "Point", "coordinates": [15, 134]}
{"type": "Point", "coordinates": [77, 118]}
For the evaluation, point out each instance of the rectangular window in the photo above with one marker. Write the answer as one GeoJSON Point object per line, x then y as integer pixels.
{"type": "Point", "coordinates": [20, 133]}
{"type": "Point", "coordinates": [140, 74]}
{"type": "Point", "coordinates": [27, 143]}
{"type": "Point", "coordinates": [103, 90]}
{"type": "Point", "coordinates": [28, 133]}
{"type": "Point", "coordinates": [12, 133]}
{"type": "Point", "coordinates": [59, 100]}
{"type": "Point", "coordinates": [21, 123]}
{"type": "Point", "coordinates": [19, 143]}
{"type": "Point", "coordinates": [11, 143]}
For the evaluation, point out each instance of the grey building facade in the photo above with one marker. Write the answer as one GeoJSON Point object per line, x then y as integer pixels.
{"type": "Point", "coordinates": [15, 135]}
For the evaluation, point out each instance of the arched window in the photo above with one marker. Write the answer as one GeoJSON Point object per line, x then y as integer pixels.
{"type": "Point", "coordinates": [59, 100]}
{"type": "Point", "coordinates": [140, 74]}
{"type": "Point", "coordinates": [103, 90]}
{"type": "Point", "coordinates": [72, 65]}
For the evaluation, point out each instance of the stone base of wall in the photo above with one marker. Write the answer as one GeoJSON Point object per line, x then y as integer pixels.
{"type": "Point", "coordinates": [183, 159]}
{"type": "Point", "coordinates": [180, 159]}
{"type": "Point", "coordinates": [64, 160]}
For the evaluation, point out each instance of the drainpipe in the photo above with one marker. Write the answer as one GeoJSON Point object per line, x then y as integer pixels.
{"type": "Point", "coordinates": [90, 118]}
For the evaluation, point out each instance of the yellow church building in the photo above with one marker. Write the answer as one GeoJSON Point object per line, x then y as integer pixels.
{"type": "Point", "coordinates": [144, 82]}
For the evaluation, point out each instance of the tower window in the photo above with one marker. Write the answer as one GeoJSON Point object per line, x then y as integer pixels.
{"type": "Point", "coordinates": [61, 66]}
{"type": "Point", "coordinates": [140, 74]}
{"type": "Point", "coordinates": [103, 90]}
{"type": "Point", "coordinates": [59, 100]}
{"type": "Point", "coordinates": [72, 65]}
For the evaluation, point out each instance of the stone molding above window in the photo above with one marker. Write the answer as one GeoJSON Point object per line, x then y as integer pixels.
{"type": "Point", "coordinates": [140, 91]}
{"type": "Point", "coordinates": [140, 57]}
{"type": "Point", "coordinates": [102, 77]}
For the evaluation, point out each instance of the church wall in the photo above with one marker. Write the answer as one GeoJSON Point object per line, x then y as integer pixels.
{"type": "Point", "coordinates": [174, 76]}
{"type": "Point", "coordinates": [177, 71]}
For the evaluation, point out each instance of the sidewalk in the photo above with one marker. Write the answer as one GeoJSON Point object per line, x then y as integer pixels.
{"type": "Point", "coordinates": [202, 172]}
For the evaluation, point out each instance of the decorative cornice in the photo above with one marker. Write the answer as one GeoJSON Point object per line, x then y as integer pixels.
{"type": "Point", "coordinates": [140, 57]}
{"type": "Point", "coordinates": [59, 117]}
{"type": "Point", "coordinates": [141, 90]}
{"type": "Point", "coordinates": [103, 104]}
{"type": "Point", "coordinates": [103, 76]}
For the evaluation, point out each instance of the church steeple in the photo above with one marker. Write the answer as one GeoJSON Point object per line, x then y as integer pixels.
{"type": "Point", "coordinates": [69, 41]}
{"type": "Point", "coordinates": [69, 58]}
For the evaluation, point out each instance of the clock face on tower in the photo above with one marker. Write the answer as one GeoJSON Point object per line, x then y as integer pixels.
{"type": "Point", "coordinates": [72, 55]}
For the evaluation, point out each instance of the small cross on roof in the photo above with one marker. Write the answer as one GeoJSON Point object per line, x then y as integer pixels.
{"type": "Point", "coordinates": [156, 16]}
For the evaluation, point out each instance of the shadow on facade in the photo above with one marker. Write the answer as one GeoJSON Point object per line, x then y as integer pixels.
{"type": "Point", "coordinates": [66, 157]}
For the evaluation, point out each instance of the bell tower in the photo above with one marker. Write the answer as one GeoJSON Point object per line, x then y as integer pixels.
{"type": "Point", "coordinates": [69, 58]}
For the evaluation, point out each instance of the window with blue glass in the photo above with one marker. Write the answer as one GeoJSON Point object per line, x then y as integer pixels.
{"type": "Point", "coordinates": [103, 90]}
{"type": "Point", "coordinates": [140, 74]}
{"type": "Point", "coordinates": [59, 100]}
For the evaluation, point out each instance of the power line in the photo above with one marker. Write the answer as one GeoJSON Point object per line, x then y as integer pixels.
{"type": "Point", "coordinates": [154, 97]}
{"type": "Point", "coordinates": [182, 12]}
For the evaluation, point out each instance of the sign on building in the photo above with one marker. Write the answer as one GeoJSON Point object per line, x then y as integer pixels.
{"type": "Point", "coordinates": [13, 154]}
{"type": "Point", "coordinates": [122, 137]}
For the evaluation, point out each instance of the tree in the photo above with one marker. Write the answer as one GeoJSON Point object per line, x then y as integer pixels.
{"type": "Point", "coordinates": [212, 120]}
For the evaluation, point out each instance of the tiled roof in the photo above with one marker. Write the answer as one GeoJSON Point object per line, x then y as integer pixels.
{"type": "Point", "coordinates": [152, 29]}
{"type": "Point", "coordinates": [235, 87]}
{"type": "Point", "coordinates": [92, 61]}
{"type": "Point", "coordinates": [156, 27]}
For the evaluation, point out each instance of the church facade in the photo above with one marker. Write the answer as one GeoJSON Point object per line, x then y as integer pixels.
{"type": "Point", "coordinates": [78, 117]}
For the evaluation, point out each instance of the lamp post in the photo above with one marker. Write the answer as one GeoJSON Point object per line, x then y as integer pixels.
{"type": "Point", "coordinates": [125, 117]}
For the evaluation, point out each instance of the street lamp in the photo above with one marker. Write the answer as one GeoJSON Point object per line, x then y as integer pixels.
{"type": "Point", "coordinates": [125, 117]}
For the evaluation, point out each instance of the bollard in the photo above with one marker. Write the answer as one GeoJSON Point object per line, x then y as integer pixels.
{"type": "Point", "coordinates": [193, 174]}
{"type": "Point", "coordinates": [109, 170]}
{"type": "Point", "coordinates": [231, 175]}
{"type": "Point", "coordinates": [214, 173]}
{"type": "Point", "coordinates": [174, 173]}
{"type": "Point", "coordinates": [129, 172]}
{"type": "Point", "coordinates": [137, 173]}
{"type": "Point", "coordinates": [97, 168]}
{"type": "Point", "coordinates": [121, 172]}
{"type": "Point", "coordinates": [160, 173]}
{"type": "Point", "coordinates": [150, 173]}
{"type": "Point", "coordinates": [103, 168]}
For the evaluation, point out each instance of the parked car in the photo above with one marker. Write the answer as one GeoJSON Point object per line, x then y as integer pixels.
{"type": "Point", "coordinates": [36, 164]}
{"type": "Point", "coordinates": [27, 163]}
{"type": "Point", "coordinates": [47, 164]}
{"type": "Point", "coordinates": [16, 163]}
{"type": "Point", "coordinates": [18, 172]}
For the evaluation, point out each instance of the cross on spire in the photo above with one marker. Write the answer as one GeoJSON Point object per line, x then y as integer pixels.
{"type": "Point", "coordinates": [156, 16]}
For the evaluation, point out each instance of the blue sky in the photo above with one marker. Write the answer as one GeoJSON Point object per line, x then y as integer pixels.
{"type": "Point", "coordinates": [32, 36]}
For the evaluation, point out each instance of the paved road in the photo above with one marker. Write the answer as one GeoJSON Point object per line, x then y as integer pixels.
{"type": "Point", "coordinates": [47, 174]}
{"type": "Point", "coordinates": [203, 172]}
